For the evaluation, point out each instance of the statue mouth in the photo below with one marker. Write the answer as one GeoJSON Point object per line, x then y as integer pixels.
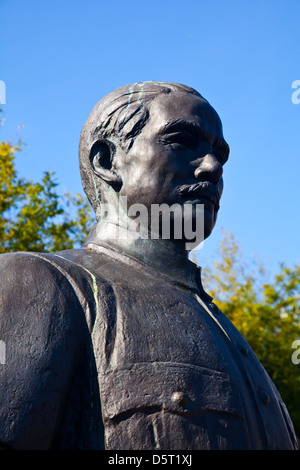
{"type": "Point", "coordinates": [201, 190]}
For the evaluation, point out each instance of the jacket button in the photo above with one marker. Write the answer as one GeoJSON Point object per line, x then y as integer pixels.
{"type": "Point", "coordinates": [264, 397]}
{"type": "Point", "coordinates": [180, 398]}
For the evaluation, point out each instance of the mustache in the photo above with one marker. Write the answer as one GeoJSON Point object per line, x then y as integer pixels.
{"type": "Point", "coordinates": [202, 189]}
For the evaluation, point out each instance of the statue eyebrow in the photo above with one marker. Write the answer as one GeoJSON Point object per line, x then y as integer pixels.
{"type": "Point", "coordinates": [181, 125]}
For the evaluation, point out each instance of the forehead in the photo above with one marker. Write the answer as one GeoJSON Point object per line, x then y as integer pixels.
{"type": "Point", "coordinates": [183, 107]}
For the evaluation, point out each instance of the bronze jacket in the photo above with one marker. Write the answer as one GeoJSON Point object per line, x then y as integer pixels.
{"type": "Point", "coordinates": [103, 352]}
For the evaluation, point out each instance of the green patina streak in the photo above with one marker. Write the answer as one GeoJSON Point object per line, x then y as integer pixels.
{"type": "Point", "coordinates": [95, 293]}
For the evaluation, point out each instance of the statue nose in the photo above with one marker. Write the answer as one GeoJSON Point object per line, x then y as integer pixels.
{"type": "Point", "coordinates": [209, 169]}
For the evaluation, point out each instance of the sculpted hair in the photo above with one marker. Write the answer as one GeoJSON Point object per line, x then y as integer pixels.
{"type": "Point", "coordinates": [119, 116]}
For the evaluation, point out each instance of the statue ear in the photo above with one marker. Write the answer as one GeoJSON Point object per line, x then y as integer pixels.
{"type": "Point", "coordinates": [101, 157]}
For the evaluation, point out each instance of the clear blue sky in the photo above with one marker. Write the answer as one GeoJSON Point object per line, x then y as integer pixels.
{"type": "Point", "coordinates": [59, 57]}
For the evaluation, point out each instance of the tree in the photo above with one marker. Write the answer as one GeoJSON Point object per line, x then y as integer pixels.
{"type": "Point", "coordinates": [266, 313]}
{"type": "Point", "coordinates": [33, 216]}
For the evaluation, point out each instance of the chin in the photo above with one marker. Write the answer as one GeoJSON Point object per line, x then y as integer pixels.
{"type": "Point", "coordinates": [201, 232]}
{"type": "Point", "coordinates": [209, 223]}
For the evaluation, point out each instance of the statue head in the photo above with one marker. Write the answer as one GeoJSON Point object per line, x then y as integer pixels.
{"type": "Point", "coordinates": [154, 143]}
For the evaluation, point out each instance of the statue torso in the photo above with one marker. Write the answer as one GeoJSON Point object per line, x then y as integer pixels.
{"type": "Point", "coordinates": [173, 371]}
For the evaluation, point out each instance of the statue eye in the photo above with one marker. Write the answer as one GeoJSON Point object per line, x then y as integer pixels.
{"type": "Point", "coordinates": [183, 139]}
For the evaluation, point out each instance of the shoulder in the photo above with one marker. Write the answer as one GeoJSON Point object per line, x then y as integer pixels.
{"type": "Point", "coordinates": [32, 289]}
{"type": "Point", "coordinates": [72, 283]}
{"type": "Point", "coordinates": [26, 272]}
{"type": "Point", "coordinates": [38, 269]}
{"type": "Point", "coordinates": [40, 312]}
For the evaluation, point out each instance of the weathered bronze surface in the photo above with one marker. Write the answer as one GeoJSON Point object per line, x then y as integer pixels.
{"type": "Point", "coordinates": [116, 345]}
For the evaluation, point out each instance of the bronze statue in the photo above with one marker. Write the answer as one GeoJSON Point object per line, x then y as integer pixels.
{"type": "Point", "coordinates": [116, 345]}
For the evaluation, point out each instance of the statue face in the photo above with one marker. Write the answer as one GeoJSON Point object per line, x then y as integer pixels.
{"type": "Point", "coordinates": [177, 157]}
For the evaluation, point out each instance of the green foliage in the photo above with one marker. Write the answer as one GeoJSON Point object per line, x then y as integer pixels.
{"type": "Point", "coordinates": [266, 313]}
{"type": "Point", "coordinates": [33, 216]}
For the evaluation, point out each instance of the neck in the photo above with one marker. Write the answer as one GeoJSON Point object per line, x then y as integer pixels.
{"type": "Point", "coordinates": [131, 242]}
{"type": "Point", "coordinates": [161, 255]}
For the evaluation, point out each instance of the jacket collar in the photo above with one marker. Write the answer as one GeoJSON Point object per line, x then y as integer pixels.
{"type": "Point", "coordinates": [154, 255]}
